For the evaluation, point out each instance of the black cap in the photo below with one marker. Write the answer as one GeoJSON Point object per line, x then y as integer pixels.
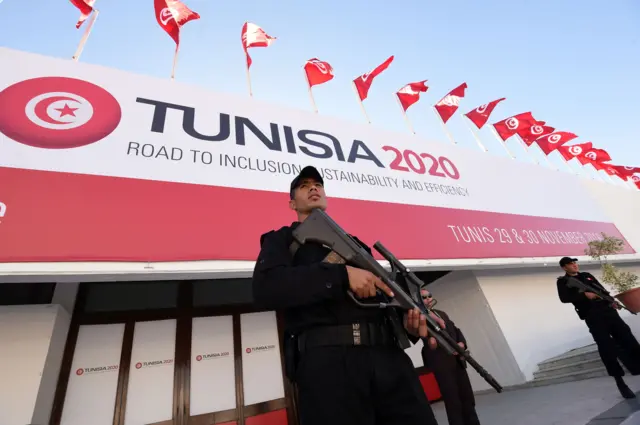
{"type": "Point", "coordinates": [307, 172]}
{"type": "Point", "coordinates": [566, 260]}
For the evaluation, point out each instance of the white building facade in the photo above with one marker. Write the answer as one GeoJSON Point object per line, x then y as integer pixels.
{"type": "Point", "coordinates": [130, 216]}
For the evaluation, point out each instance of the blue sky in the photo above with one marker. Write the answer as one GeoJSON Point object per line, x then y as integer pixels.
{"type": "Point", "coordinates": [574, 64]}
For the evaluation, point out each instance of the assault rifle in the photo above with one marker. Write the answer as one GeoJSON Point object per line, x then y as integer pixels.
{"type": "Point", "coordinates": [321, 228]}
{"type": "Point", "coordinates": [572, 282]}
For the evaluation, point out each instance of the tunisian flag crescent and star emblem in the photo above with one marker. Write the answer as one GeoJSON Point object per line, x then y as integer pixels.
{"type": "Point", "coordinates": [480, 115]}
{"type": "Point", "coordinates": [254, 36]}
{"type": "Point", "coordinates": [363, 82]}
{"type": "Point", "coordinates": [550, 142]}
{"type": "Point", "coordinates": [410, 94]}
{"type": "Point", "coordinates": [448, 105]}
{"type": "Point", "coordinates": [171, 15]}
{"type": "Point", "coordinates": [510, 126]}
{"type": "Point", "coordinates": [318, 72]}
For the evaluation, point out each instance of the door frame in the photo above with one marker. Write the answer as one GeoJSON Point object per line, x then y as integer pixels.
{"type": "Point", "coordinates": [183, 314]}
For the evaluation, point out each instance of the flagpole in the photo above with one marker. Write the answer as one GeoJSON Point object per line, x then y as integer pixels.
{"type": "Point", "coordinates": [526, 149]}
{"type": "Point", "coordinates": [175, 62]}
{"type": "Point", "coordinates": [444, 126]}
{"type": "Point", "coordinates": [249, 81]}
{"type": "Point", "coordinates": [473, 131]}
{"type": "Point", "coordinates": [364, 111]}
{"type": "Point", "coordinates": [546, 157]}
{"type": "Point", "coordinates": [571, 170]}
{"type": "Point", "coordinates": [404, 113]}
{"type": "Point", "coordinates": [502, 142]}
{"type": "Point", "coordinates": [313, 102]}
{"type": "Point", "coordinates": [85, 36]}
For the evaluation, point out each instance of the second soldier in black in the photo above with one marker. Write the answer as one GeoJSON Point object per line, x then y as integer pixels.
{"type": "Point", "coordinates": [340, 379]}
{"type": "Point", "coordinates": [452, 378]}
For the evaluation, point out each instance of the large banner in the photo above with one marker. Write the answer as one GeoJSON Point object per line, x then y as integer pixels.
{"type": "Point", "coordinates": [99, 164]}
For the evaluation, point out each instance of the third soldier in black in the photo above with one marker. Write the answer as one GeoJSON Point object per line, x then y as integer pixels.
{"type": "Point", "coordinates": [339, 381]}
{"type": "Point", "coordinates": [605, 324]}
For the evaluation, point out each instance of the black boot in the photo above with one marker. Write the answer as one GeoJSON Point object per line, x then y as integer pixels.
{"type": "Point", "coordinates": [624, 389]}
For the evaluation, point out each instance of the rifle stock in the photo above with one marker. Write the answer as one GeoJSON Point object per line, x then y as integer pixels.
{"type": "Point", "coordinates": [322, 229]}
{"type": "Point", "coordinates": [572, 282]}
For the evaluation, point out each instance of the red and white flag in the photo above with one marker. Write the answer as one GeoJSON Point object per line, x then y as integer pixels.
{"type": "Point", "coordinates": [318, 72]}
{"type": "Point", "coordinates": [510, 126]}
{"type": "Point", "coordinates": [550, 142]}
{"type": "Point", "coordinates": [448, 105]}
{"type": "Point", "coordinates": [594, 156]}
{"type": "Point", "coordinates": [609, 170]}
{"type": "Point", "coordinates": [636, 179]}
{"type": "Point", "coordinates": [85, 7]}
{"type": "Point", "coordinates": [254, 36]}
{"type": "Point", "coordinates": [410, 94]}
{"type": "Point", "coordinates": [626, 171]}
{"type": "Point", "coordinates": [573, 151]}
{"type": "Point", "coordinates": [363, 82]}
{"type": "Point", "coordinates": [530, 134]}
{"type": "Point", "coordinates": [171, 15]}
{"type": "Point", "coordinates": [480, 115]}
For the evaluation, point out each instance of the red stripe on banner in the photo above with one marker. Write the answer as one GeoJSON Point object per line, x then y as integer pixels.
{"type": "Point", "coordinates": [52, 216]}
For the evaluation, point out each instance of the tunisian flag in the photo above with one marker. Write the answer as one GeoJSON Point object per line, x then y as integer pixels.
{"type": "Point", "coordinates": [171, 15]}
{"type": "Point", "coordinates": [318, 72]}
{"type": "Point", "coordinates": [448, 105]}
{"type": "Point", "coordinates": [594, 156]}
{"type": "Point", "coordinates": [573, 151]}
{"type": "Point", "coordinates": [636, 179]}
{"type": "Point", "coordinates": [410, 94]}
{"type": "Point", "coordinates": [85, 7]}
{"type": "Point", "coordinates": [625, 171]}
{"type": "Point", "coordinates": [530, 134]}
{"type": "Point", "coordinates": [363, 82]}
{"type": "Point", "coordinates": [510, 126]}
{"type": "Point", "coordinates": [254, 36]}
{"type": "Point", "coordinates": [480, 115]}
{"type": "Point", "coordinates": [550, 142]}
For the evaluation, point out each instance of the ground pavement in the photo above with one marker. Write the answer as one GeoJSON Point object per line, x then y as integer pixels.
{"type": "Point", "coordinates": [588, 402]}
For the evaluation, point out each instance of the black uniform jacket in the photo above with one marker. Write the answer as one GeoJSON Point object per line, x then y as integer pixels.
{"type": "Point", "coordinates": [310, 292]}
{"type": "Point", "coordinates": [439, 358]}
{"type": "Point", "coordinates": [583, 305]}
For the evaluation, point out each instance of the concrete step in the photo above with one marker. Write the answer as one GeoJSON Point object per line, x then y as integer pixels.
{"type": "Point", "coordinates": [589, 352]}
{"type": "Point", "coordinates": [560, 378]}
{"type": "Point", "coordinates": [569, 367]}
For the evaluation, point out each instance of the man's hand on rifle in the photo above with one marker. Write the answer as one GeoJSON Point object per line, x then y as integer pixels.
{"type": "Point", "coordinates": [364, 283]}
{"type": "Point", "coordinates": [416, 323]}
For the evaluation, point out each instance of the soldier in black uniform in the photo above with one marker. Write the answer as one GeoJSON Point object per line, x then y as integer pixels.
{"type": "Point", "coordinates": [340, 378]}
{"type": "Point", "coordinates": [602, 319]}
{"type": "Point", "coordinates": [451, 375]}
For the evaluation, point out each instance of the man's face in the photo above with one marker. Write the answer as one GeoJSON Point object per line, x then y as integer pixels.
{"type": "Point", "coordinates": [307, 196]}
{"type": "Point", "coordinates": [571, 267]}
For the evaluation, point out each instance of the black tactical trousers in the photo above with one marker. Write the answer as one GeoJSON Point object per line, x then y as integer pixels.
{"type": "Point", "coordinates": [344, 385]}
{"type": "Point", "coordinates": [614, 339]}
{"type": "Point", "coordinates": [457, 392]}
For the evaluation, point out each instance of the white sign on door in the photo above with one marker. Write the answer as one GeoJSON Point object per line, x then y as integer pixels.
{"type": "Point", "coordinates": [150, 390]}
{"type": "Point", "coordinates": [93, 380]}
{"type": "Point", "coordinates": [213, 379]}
{"type": "Point", "coordinates": [261, 365]}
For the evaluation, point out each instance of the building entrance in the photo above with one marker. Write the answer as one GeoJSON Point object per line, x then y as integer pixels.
{"type": "Point", "coordinates": [172, 353]}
